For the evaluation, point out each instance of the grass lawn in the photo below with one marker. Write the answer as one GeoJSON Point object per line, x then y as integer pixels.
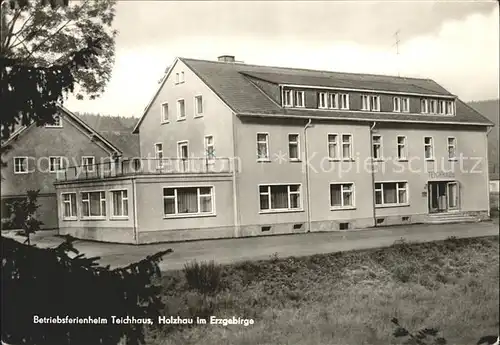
{"type": "Point", "coordinates": [345, 298]}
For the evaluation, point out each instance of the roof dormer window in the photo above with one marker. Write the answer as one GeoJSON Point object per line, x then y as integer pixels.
{"type": "Point", "coordinates": [370, 103]}
{"type": "Point", "coordinates": [293, 98]}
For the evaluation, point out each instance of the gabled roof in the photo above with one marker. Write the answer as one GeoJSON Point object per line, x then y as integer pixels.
{"type": "Point", "coordinates": [117, 146]}
{"type": "Point", "coordinates": [232, 82]}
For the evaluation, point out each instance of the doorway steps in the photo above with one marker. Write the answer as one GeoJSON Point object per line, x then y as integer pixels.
{"type": "Point", "coordinates": [446, 218]}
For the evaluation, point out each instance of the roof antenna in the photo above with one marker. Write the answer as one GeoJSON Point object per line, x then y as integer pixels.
{"type": "Point", "coordinates": [397, 48]}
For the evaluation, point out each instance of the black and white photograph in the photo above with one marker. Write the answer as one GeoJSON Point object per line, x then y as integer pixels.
{"type": "Point", "coordinates": [250, 172]}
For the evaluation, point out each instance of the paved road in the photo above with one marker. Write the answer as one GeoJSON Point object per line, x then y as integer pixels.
{"type": "Point", "coordinates": [256, 248]}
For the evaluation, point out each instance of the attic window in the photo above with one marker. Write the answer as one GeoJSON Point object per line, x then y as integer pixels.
{"type": "Point", "coordinates": [57, 123]}
{"type": "Point", "coordinates": [293, 98]}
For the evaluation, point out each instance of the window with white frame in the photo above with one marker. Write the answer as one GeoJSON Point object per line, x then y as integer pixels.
{"type": "Point", "coordinates": [442, 107]}
{"type": "Point", "coordinates": [181, 77]}
{"type": "Point", "coordinates": [370, 102]}
{"type": "Point", "coordinates": [452, 148]}
{"type": "Point", "coordinates": [322, 100]}
{"type": "Point", "coordinates": [333, 146]}
{"type": "Point", "coordinates": [88, 163]}
{"type": "Point", "coordinates": [391, 193]}
{"type": "Point", "coordinates": [198, 106]}
{"type": "Point", "coordinates": [450, 107]}
{"type": "Point", "coordinates": [343, 101]}
{"type": "Point", "coordinates": [428, 148]}
{"type": "Point", "coordinates": [279, 197]}
{"type": "Point", "coordinates": [293, 147]}
{"type": "Point", "coordinates": [424, 106]}
{"type": "Point", "coordinates": [346, 146]}
{"type": "Point", "coordinates": [69, 205]}
{"type": "Point", "coordinates": [396, 101]}
{"type": "Point", "coordinates": [333, 100]}
{"type": "Point", "coordinates": [177, 78]}
{"type": "Point", "coordinates": [188, 201]}
{"type": "Point", "coordinates": [287, 98]}
{"type": "Point", "coordinates": [57, 122]}
{"type": "Point", "coordinates": [94, 204]}
{"type": "Point", "coordinates": [159, 155]}
{"type": "Point", "coordinates": [20, 165]}
{"type": "Point", "coordinates": [262, 146]}
{"type": "Point", "coordinates": [183, 150]}
{"type": "Point", "coordinates": [181, 110]}
{"type": "Point", "coordinates": [402, 149]}
{"type": "Point", "coordinates": [341, 195]}
{"type": "Point", "coordinates": [298, 99]}
{"type": "Point", "coordinates": [405, 105]}
{"type": "Point", "coordinates": [209, 148]}
{"type": "Point", "coordinates": [120, 203]}
{"type": "Point", "coordinates": [56, 164]}
{"type": "Point", "coordinates": [164, 113]}
{"type": "Point", "coordinates": [377, 146]}
{"type": "Point", "coordinates": [433, 106]}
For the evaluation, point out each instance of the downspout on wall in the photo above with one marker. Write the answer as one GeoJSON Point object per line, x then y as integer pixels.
{"type": "Point", "coordinates": [235, 163]}
{"type": "Point", "coordinates": [308, 194]}
{"type": "Point", "coordinates": [487, 167]}
{"type": "Point", "coordinates": [373, 174]}
{"type": "Point", "coordinates": [134, 195]}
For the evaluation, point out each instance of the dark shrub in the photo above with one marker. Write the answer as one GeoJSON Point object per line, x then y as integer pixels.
{"type": "Point", "coordinates": [203, 277]}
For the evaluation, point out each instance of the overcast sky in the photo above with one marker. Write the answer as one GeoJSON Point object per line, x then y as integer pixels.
{"type": "Point", "coordinates": [455, 43]}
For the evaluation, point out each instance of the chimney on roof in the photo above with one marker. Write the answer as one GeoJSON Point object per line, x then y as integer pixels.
{"type": "Point", "coordinates": [226, 58]}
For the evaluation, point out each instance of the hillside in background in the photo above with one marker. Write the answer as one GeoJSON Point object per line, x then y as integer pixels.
{"type": "Point", "coordinates": [490, 110]}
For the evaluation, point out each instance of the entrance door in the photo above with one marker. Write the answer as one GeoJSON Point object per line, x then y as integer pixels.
{"type": "Point", "coordinates": [443, 196]}
{"type": "Point", "coordinates": [453, 196]}
{"type": "Point", "coordinates": [437, 197]}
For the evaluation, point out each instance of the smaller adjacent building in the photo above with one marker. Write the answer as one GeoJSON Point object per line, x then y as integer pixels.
{"type": "Point", "coordinates": [35, 155]}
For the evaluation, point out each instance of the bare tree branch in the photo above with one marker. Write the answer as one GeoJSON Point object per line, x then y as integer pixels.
{"type": "Point", "coordinates": [8, 36]}
{"type": "Point", "coordinates": [16, 35]}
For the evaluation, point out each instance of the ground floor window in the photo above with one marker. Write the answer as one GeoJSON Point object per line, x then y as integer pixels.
{"type": "Point", "coordinates": [341, 195]}
{"type": "Point", "coordinates": [280, 197]}
{"type": "Point", "coordinates": [188, 200]}
{"type": "Point", "coordinates": [120, 203]}
{"type": "Point", "coordinates": [391, 193]}
{"type": "Point", "coordinates": [94, 204]}
{"type": "Point", "coordinates": [69, 205]}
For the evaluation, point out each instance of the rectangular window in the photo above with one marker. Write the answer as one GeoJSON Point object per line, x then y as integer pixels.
{"type": "Point", "coordinates": [449, 107]}
{"type": "Point", "coordinates": [452, 148]}
{"type": "Point", "coordinates": [94, 204]}
{"type": "Point", "coordinates": [346, 146]}
{"type": "Point", "coordinates": [188, 201]}
{"type": "Point", "coordinates": [181, 110]}
{"type": "Point", "coordinates": [183, 150]}
{"type": "Point", "coordinates": [322, 100]}
{"type": "Point", "coordinates": [405, 105]}
{"type": "Point", "coordinates": [293, 147]}
{"type": "Point", "coordinates": [57, 122]}
{"type": "Point", "coordinates": [164, 113]}
{"type": "Point", "coordinates": [198, 105]}
{"type": "Point", "coordinates": [120, 203]}
{"type": "Point", "coordinates": [424, 106]}
{"type": "Point", "coordinates": [280, 197]}
{"type": "Point", "coordinates": [391, 193]}
{"type": "Point", "coordinates": [374, 103]}
{"type": "Point", "coordinates": [396, 104]}
{"type": "Point", "coordinates": [333, 100]}
{"type": "Point", "coordinates": [344, 101]}
{"type": "Point", "coordinates": [433, 106]}
{"type": "Point", "coordinates": [159, 155]}
{"type": "Point", "coordinates": [341, 195]}
{"type": "Point", "coordinates": [177, 78]}
{"type": "Point", "coordinates": [365, 102]}
{"type": "Point", "coordinates": [69, 205]}
{"type": "Point", "coordinates": [377, 146]}
{"type": "Point", "coordinates": [402, 151]}
{"type": "Point", "coordinates": [209, 148]}
{"type": "Point", "coordinates": [181, 77]}
{"type": "Point", "coordinates": [262, 146]}
{"type": "Point", "coordinates": [428, 148]}
{"type": "Point", "coordinates": [56, 164]}
{"type": "Point", "coordinates": [298, 98]}
{"type": "Point", "coordinates": [88, 163]}
{"type": "Point", "coordinates": [287, 98]}
{"type": "Point", "coordinates": [442, 107]}
{"type": "Point", "coordinates": [333, 146]}
{"type": "Point", "coordinates": [20, 165]}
